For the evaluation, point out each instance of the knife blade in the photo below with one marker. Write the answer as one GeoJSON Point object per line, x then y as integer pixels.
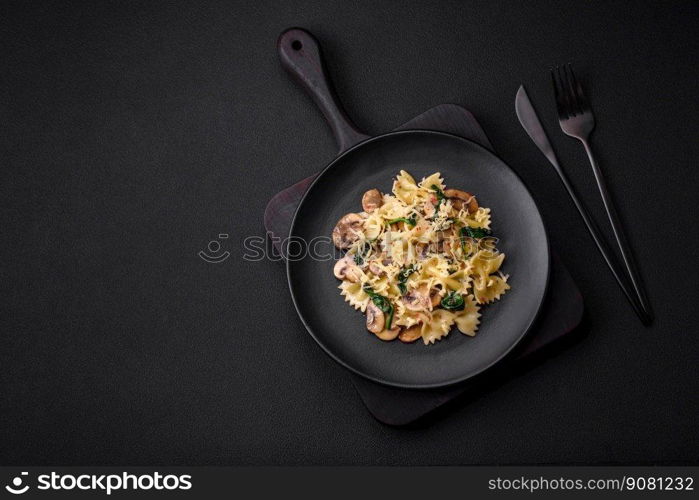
{"type": "Point", "coordinates": [532, 125]}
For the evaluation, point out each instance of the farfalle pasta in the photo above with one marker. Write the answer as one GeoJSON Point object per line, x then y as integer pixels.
{"type": "Point", "coordinates": [420, 261]}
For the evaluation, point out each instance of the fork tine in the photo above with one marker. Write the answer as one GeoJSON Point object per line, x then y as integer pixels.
{"type": "Point", "coordinates": [573, 90]}
{"type": "Point", "coordinates": [582, 101]}
{"type": "Point", "coordinates": [560, 106]}
{"type": "Point", "coordinates": [570, 93]}
{"type": "Point", "coordinates": [565, 101]}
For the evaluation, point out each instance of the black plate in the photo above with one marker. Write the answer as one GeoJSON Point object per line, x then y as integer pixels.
{"type": "Point", "coordinates": [339, 329]}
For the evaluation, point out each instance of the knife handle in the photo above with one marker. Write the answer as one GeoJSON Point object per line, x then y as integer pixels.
{"type": "Point", "coordinates": [603, 248]}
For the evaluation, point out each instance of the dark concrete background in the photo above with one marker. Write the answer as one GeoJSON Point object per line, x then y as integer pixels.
{"type": "Point", "coordinates": [133, 133]}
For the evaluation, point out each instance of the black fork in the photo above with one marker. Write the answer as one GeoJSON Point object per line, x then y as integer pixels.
{"type": "Point", "coordinates": [576, 120]}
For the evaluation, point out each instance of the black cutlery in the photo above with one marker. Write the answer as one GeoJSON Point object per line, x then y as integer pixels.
{"type": "Point", "coordinates": [532, 125]}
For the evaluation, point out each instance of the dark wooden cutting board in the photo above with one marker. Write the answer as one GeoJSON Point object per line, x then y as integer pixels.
{"type": "Point", "coordinates": [561, 313]}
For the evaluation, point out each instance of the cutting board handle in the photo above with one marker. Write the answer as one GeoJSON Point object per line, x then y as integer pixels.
{"type": "Point", "coordinates": [300, 55]}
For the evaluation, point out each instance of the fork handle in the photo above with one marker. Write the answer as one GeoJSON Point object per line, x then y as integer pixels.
{"type": "Point", "coordinates": [619, 235]}
{"type": "Point", "coordinates": [607, 254]}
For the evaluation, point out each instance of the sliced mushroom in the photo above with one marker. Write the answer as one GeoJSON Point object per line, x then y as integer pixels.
{"type": "Point", "coordinates": [435, 297]}
{"type": "Point", "coordinates": [375, 319]}
{"type": "Point", "coordinates": [389, 335]}
{"type": "Point", "coordinates": [438, 246]}
{"type": "Point", "coordinates": [347, 230]}
{"type": "Point", "coordinates": [417, 299]}
{"type": "Point", "coordinates": [375, 269]}
{"type": "Point", "coordinates": [411, 334]}
{"type": "Point", "coordinates": [372, 200]}
{"type": "Point", "coordinates": [346, 269]}
{"type": "Point", "coordinates": [374, 264]}
{"type": "Point", "coordinates": [460, 198]}
{"type": "Point", "coordinates": [398, 226]}
{"type": "Point", "coordinates": [429, 209]}
{"type": "Point", "coordinates": [422, 249]}
{"type": "Point", "coordinates": [446, 246]}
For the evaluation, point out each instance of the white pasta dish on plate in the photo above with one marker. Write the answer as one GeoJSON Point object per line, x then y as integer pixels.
{"type": "Point", "coordinates": [419, 262]}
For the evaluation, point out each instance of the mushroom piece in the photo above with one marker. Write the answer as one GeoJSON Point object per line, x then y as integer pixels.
{"type": "Point", "coordinates": [435, 297]}
{"type": "Point", "coordinates": [446, 246]}
{"type": "Point", "coordinates": [376, 323]}
{"type": "Point", "coordinates": [411, 334]}
{"type": "Point", "coordinates": [384, 260]}
{"type": "Point", "coordinates": [375, 269]}
{"type": "Point", "coordinates": [346, 269]}
{"type": "Point", "coordinates": [388, 335]}
{"type": "Point", "coordinates": [429, 209]}
{"type": "Point", "coordinates": [398, 226]}
{"type": "Point", "coordinates": [417, 299]}
{"type": "Point", "coordinates": [372, 200]}
{"type": "Point", "coordinates": [422, 249]}
{"type": "Point", "coordinates": [347, 230]}
{"type": "Point", "coordinates": [460, 198]}
{"type": "Point", "coordinates": [440, 245]}
{"type": "Point", "coordinates": [375, 320]}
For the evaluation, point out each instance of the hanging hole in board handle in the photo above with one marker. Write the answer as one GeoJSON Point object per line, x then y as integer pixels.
{"type": "Point", "coordinates": [300, 55]}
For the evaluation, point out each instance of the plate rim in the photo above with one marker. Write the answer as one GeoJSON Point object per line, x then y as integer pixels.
{"type": "Point", "coordinates": [467, 376]}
